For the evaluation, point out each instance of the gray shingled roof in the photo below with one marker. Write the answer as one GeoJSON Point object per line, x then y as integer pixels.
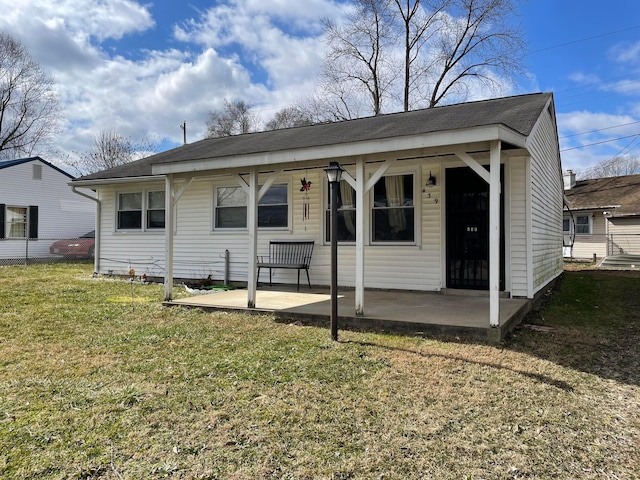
{"type": "Point", "coordinates": [603, 193]}
{"type": "Point", "coordinates": [519, 113]}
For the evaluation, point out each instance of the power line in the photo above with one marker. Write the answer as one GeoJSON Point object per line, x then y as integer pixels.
{"type": "Point", "coordinates": [600, 129]}
{"type": "Point", "coordinates": [583, 39]}
{"type": "Point", "coordinates": [599, 143]}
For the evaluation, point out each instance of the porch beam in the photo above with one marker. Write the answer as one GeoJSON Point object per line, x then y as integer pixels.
{"type": "Point", "coordinates": [359, 188]}
{"type": "Point", "coordinates": [169, 204]}
{"type": "Point", "coordinates": [267, 185]}
{"type": "Point", "coordinates": [378, 175]}
{"type": "Point", "coordinates": [252, 225]}
{"type": "Point", "coordinates": [473, 164]}
{"type": "Point", "coordinates": [182, 189]}
{"type": "Point", "coordinates": [494, 234]}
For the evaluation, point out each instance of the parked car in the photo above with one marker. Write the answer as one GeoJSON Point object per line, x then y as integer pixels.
{"type": "Point", "coordinates": [81, 247]}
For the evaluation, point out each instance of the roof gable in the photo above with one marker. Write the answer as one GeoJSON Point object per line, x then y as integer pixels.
{"type": "Point", "coordinates": [20, 161]}
{"type": "Point", "coordinates": [622, 192]}
{"type": "Point", "coordinates": [519, 113]}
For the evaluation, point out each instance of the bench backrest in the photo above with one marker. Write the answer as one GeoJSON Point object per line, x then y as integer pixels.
{"type": "Point", "coordinates": [291, 253]}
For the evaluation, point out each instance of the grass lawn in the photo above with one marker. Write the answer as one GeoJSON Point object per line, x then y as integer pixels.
{"type": "Point", "coordinates": [95, 385]}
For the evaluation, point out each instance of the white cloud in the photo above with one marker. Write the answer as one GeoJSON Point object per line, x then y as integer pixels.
{"type": "Point", "coordinates": [601, 136]}
{"type": "Point", "coordinates": [262, 52]}
{"type": "Point", "coordinates": [628, 52]}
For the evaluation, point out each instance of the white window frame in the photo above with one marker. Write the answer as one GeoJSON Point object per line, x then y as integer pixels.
{"type": "Point", "coordinates": [416, 204]}
{"type": "Point", "coordinates": [7, 229]}
{"type": "Point", "coordinates": [589, 224]}
{"type": "Point", "coordinates": [144, 211]}
{"type": "Point", "coordinates": [215, 209]}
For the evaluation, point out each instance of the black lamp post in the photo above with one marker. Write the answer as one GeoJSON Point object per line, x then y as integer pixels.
{"type": "Point", "coordinates": [334, 173]}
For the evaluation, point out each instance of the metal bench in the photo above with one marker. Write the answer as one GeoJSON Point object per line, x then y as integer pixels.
{"type": "Point", "coordinates": [291, 255]}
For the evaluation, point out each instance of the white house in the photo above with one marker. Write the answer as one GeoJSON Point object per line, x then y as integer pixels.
{"type": "Point", "coordinates": [465, 196]}
{"type": "Point", "coordinates": [37, 206]}
{"type": "Point", "coordinates": [602, 216]}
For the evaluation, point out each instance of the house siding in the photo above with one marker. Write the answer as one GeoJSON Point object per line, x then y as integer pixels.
{"type": "Point", "coordinates": [625, 235]}
{"type": "Point", "coordinates": [586, 246]}
{"type": "Point", "coordinates": [199, 250]}
{"type": "Point", "coordinates": [546, 203]}
{"type": "Point", "coordinates": [518, 223]}
{"type": "Point", "coordinates": [61, 212]}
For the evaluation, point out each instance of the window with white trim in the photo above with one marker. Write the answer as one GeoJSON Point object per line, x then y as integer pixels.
{"type": "Point", "coordinates": [393, 210]}
{"type": "Point", "coordinates": [566, 225]}
{"type": "Point", "coordinates": [230, 209]}
{"type": "Point", "coordinates": [583, 224]}
{"type": "Point", "coordinates": [346, 214]}
{"type": "Point", "coordinates": [155, 210]}
{"type": "Point", "coordinates": [136, 209]}
{"type": "Point", "coordinates": [16, 222]}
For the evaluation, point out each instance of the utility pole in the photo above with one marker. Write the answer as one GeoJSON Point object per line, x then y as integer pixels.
{"type": "Point", "coordinates": [183, 126]}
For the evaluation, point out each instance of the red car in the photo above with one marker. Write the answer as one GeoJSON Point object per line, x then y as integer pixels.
{"type": "Point", "coordinates": [81, 247]}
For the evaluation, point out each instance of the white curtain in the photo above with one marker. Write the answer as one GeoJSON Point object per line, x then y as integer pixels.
{"type": "Point", "coordinates": [346, 193]}
{"type": "Point", "coordinates": [395, 198]}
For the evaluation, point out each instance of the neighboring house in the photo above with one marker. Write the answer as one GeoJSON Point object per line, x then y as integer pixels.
{"type": "Point", "coordinates": [465, 196]}
{"type": "Point", "coordinates": [37, 206]}
{"type": "Point", "coordinates": [602, 216]}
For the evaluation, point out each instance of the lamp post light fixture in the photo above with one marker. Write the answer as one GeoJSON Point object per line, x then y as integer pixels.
{"type": "Point", "coordinates": [334, 173]}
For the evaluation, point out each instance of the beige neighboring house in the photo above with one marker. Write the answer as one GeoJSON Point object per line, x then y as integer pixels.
{"type": "Point", "coordinates": [601, 216]}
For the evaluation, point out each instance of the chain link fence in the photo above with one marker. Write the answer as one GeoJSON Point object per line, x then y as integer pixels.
{"type": "Point", "coordinates": [26, 251]}
{"type": "Point", "coordinates": [621, 243]}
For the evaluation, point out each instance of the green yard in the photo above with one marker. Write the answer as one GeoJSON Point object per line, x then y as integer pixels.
{"type": "Point", "coordinates": [95, 385]}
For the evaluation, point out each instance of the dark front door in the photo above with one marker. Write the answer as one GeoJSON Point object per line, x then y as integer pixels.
{"type": "Point", "coordinates": [467, 221]}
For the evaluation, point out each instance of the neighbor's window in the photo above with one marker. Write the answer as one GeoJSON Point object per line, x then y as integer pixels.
{"type": "Point", "coordinates": [231, 208]}
{"type": "Point", "coordinates": [130, 211]}
{"type": "Point", "coordinates": [566, 225]}
{"type": "Point", "coordinates": [583, 225]}
{"type": "Point", "coordinates": [16, 222]}
{"type": "Point", "coordinates": [155, 210]}
{"type": "Point", "coordinates": [393, 209]}
{"type": "Point", "coordinates": [346, 214]}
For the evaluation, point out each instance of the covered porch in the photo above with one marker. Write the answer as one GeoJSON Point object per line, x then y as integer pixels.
{"type": "Point", "coordinates": [463, 314]}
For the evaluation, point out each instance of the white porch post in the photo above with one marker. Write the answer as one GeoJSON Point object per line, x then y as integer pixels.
{"type": "Point", "coordinates": [252, 225]}
{"type": "Point", "coordinates": [494, 235]}
{"type": "Point", "coordinates": [359, 292]}
{"type": "Point", "coordinates": [168, 237]}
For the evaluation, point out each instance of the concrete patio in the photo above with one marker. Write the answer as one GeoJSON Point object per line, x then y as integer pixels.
{"type": "Point", "coordinates": [462, 314]}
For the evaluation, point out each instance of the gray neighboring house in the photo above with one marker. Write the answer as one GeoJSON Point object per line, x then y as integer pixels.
{"type": "Point", "coordinates": [602, 216]}
{"type": "Point", "coordinates": [458, 197]}
{"type": "Point", "coordinates": [37, 206]}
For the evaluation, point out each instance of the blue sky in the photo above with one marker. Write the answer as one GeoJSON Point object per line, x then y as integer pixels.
{"type": "Point", "coordinates": [145, 67]}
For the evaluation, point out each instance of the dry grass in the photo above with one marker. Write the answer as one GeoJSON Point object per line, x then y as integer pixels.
{"type": "Point", "coordinates": [95, 386]}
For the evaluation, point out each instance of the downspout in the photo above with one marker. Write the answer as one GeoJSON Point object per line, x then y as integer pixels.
{"type": "Point", "coordinates": [96, 250]}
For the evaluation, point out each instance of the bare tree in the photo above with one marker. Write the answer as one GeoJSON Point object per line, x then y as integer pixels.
{"type": "Point", "coordinates": [419, 22]}
{"type": "Point", "coordinates": [614, 167]}
{"type": "Point", "coordinates": [474, 44]}
{"type": "Point", "coordinates": [110, 149]}
{"type": "Point", "coordinates": [357, 58]}
{"type": "Point", "coordinates": [293, 116]}
{"type": "Point", "coordinates": [235, 118]}
{"type": "Point", "coordinates": [426, 52]}
{"type": "Point", "coordinates": [29, 109]}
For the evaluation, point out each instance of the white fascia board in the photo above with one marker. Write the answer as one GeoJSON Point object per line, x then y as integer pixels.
{"type": "Point", "coordinates": [115, 180]}
{"type": "Point", "coordinates": [427, 140]}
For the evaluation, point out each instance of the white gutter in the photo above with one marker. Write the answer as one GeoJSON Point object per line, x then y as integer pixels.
{"type": "Point", "coordinates": [115, 180]}
{"type": "Point", "coordinates": [96, 248]}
